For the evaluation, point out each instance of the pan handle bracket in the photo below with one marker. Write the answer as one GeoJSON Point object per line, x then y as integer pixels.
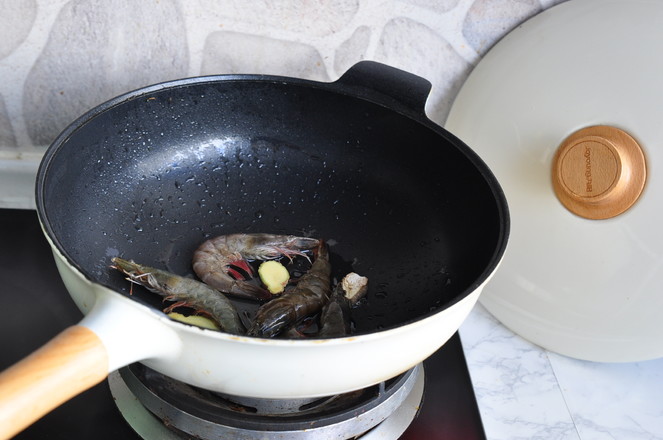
{"type": "Point", "coordinates": [128, 331]}
{"type": "Point", "coordinates": [380, 82]}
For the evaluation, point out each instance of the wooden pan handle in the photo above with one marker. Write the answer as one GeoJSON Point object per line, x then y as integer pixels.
{"type": "Point", "coordinates": [72, 362]}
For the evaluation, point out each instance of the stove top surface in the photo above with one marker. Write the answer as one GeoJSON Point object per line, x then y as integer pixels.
{"type": "Point", "coordinates": [37, 307]}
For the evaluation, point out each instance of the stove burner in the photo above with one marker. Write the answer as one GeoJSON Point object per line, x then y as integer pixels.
{"type": "Point", "coordinates": [169, 409]}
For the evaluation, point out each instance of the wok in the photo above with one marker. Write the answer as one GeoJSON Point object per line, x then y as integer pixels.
{"type": "Point", "coordinates": [151, 174]}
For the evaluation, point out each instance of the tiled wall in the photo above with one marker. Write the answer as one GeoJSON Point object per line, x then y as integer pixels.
{"type": "Point", "coordinates": [59, 58]}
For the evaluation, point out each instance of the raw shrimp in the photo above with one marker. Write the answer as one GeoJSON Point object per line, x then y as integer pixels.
{"type": "Point", "coordinates": [186, 291]}
{"type": "Point", "coordinates": [306, 298]}
{"type": "Point", "coordinates": [335, 315]}
{"type": "Point", "coordinates": [213, 259]}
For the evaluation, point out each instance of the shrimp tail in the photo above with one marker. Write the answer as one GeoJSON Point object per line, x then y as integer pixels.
{"type": "Point", "coordinates": [335, 315]}
{"type": "Point", "coordinates": [239, 264]}
{"type": "Point", "coordinates": [248, 290]}
{"type": "Point", "coordinates": [239, 288]}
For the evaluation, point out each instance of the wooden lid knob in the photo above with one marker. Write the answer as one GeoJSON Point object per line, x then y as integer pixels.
{"type": "Point", "coordinates": [598, 172]}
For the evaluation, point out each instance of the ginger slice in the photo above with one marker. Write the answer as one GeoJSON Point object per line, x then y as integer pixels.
{"type": "Point", "coordinates": [274, 276]}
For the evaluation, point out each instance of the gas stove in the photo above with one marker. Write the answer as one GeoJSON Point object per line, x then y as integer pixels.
{"type": "Point", "coordinates": [157, 406]}
{"type": "Point", "coordinates": [434, 400]}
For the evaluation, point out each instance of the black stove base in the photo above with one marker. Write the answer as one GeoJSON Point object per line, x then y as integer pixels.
{"type": "Point", "coordinates": [37, 306]}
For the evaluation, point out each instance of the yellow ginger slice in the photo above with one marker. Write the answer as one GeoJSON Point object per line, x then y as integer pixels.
{"type": "Point", "coordinates": [274, 276]}
{"type": "Point", "coordinates": [197, 320]}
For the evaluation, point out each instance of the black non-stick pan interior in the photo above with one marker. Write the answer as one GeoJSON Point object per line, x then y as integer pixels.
{"type": "Point", "coordinates": [151, 175]}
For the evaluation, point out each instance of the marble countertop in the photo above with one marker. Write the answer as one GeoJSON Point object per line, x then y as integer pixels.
{"type": "Point", "coordinates": [527, 392]}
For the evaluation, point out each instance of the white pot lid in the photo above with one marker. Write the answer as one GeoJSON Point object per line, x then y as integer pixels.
{"type": "Point", "coordinates": [585, 288]}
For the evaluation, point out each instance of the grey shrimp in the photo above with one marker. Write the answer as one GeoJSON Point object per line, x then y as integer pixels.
{"type": "Point", "coordinates": [307, 297]}
{"type": "Point", "coordinates": [185, 291]}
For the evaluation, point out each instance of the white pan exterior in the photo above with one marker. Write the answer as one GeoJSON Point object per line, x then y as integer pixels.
{"type": "Point", "coordinates": [254, 367]}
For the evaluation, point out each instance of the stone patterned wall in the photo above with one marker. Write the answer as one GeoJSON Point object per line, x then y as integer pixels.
{"type": "Point", "coordinates": [58, 58]}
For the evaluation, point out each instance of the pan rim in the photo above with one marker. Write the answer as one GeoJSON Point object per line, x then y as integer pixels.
{"type": "Point", "coordinates": [497, 192]}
